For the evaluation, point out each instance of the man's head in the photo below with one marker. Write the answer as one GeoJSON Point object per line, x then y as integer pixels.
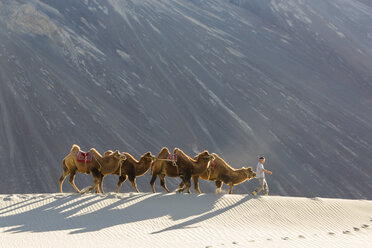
{"type": "Point", "coordinates": [262, 160]}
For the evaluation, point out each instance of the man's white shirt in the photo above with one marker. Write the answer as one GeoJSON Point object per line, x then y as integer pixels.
{"type": "Point", "coordinates": [259, 171]}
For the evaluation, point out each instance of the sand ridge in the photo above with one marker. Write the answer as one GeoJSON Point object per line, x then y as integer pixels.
{"type": "Point", "coordinates": [168, 220]}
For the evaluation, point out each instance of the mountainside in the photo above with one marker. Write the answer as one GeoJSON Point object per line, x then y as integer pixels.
{"type": "Point", "coordinates": [287, 79]}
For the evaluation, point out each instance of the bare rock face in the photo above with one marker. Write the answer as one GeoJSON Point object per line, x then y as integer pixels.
{"type": "Point", "coordinates": [28, 20]}
{"type": "Point", "coordinates": [289, 80]}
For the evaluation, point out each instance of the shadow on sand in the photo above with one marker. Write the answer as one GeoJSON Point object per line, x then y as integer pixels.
{"type": "Point", "coordinates": [88, 213]}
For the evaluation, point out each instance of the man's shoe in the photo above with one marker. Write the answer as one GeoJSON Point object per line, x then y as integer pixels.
{"type": "Point", "coordinates": [254, 193]}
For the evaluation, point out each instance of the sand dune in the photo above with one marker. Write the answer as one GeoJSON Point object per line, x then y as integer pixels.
{"type": "Point", "coordinates": [172, 220]}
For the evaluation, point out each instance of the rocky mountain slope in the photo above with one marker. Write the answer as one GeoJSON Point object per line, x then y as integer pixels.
{"type": "Point", "coordinates": [287, 79]}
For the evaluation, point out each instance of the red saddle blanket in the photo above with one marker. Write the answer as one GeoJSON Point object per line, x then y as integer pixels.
{"type": "Point", "coordinates": [213, 164]}
{"type": "Point", "coordinates": [173, 157]}
{"type": "Point", "coordinates": [85, 157]}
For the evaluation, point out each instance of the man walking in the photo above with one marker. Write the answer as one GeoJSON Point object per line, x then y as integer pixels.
{"type": "Point", "coordinates": [260, 175]}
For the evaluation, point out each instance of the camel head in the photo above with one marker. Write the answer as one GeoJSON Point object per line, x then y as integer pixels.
{"type": "Point", "coordinates": [148, 157]}
{"type": "Point", "coordinates": [118, 155]}
{"type": "Point", "coordinates": [205, 156]}
{"type": "Point", "coordinates": [249, 172]}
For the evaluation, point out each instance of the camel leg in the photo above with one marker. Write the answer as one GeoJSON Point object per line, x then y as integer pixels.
{"type": "Point", "coordinates": [231, 188]}
{"type": "Point", "coordinates": [72, 182]}
{"type": "Point", "coordinates": [134, 185]}
{"type": "Point", "coordinates": [101, 184]}
{"type": "Point", "coordinates": [122, 179]}
{"type": "Point", "coordinates": [188, 187]}
{"type": "Point", "coordinates": [64, 175]}
{"type": "Point", "coordinates": [152, 182]}
{"type": "Point", "coordinates": [61, 179]}
{"type": "Point", "coordinates": [97, 180]}
{"type": "Point", "coordinates": [162, 182]}
{"type": "Point", "coordinates": [196, 184]}
{"type": "Point", "coordinates": [132, 180]}
{"type": "Point", "coordinates": [181, 186]}
{"type": "Point", "coordinates": [186, 178]}
{"type": "Point", "coordinates": [188, 182]}
{"type": "Point", "coordinates": [219, 186]}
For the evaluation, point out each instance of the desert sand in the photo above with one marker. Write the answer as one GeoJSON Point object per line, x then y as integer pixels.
{"type": "Point", "coordinates": [174, 220]}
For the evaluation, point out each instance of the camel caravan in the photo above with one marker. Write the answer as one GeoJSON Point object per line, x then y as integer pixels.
{"type": "Point", "coordinates": [209, 167]}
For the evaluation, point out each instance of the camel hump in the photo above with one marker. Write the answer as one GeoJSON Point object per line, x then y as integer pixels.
{"type": "Point", "coordinates": [181, 154]}
{"type": "Point", "coordinates": [177, 151]}
{"type": "Point", "coordinates": [75, 148]}
{"type": "Point", "coordinates": [164, 149]}
{"type": "Point", "coordinates": [95, 152]}
{"type": "Point", "coordinates": [128, 155]}
{"type": "Point", "coordinates": [130, 158]}
{"type": "Point", "coordinates": [164, 152]}
{"type": "Point", "coordinates": [205, 152]}
{"type": "Point", "coordinates": [217, 158]}
{"type": "Point", "coordinates": [107, 153]}
{"type": "Point", "coordinates": [221, 162]}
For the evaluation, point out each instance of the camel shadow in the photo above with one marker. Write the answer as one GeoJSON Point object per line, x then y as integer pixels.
{"type": "Point", "coordinates": [206, 216]}
{"type": "Point", "coordinates": [88, 213]}
{"type": "Point", "coordinates": [58, 214]}
{"type": "Point", "coordinates": [150, 206]}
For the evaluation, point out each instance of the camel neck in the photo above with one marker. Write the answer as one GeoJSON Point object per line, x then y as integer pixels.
{"type": "Point", "coordinates": [200, 166]}
{"type": "Point", "coordinates": [143, 167]}
{"type": "Point", "coordinates": [239, 176]}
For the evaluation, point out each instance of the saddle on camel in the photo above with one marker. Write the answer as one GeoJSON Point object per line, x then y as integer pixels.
{"type": "Point", "coordinates": [84, 157]}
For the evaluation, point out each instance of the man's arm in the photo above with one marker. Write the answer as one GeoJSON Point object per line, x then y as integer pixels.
{"type": "Point", "coordinates": [267, 171]}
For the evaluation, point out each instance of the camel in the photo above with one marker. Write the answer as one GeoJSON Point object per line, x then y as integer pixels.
{"type": "Point", "coordinates": [115, 169]}
{"type": "Point", "coordinates": [189, 167]}
{"type": "Point", "coordinates": [162, 167]}
{"type": "Point", "coordinates": [98, 166]}
{"type": "Point", "coordinates": [221, 172]}
{"type": "Point", "coordinates": [131, 169]}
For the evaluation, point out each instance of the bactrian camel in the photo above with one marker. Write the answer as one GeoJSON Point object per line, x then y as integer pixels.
{"type": "Point", "coordinates": [131, 169]}
{"type": "Point", "coordinates": [161, 168]}
{"type": "Point", "coordinates": [98, 166]}
{"type": "Point", "coordinates": [189, 167]}
{"type": "Point", "coordinates": [221, 172]}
